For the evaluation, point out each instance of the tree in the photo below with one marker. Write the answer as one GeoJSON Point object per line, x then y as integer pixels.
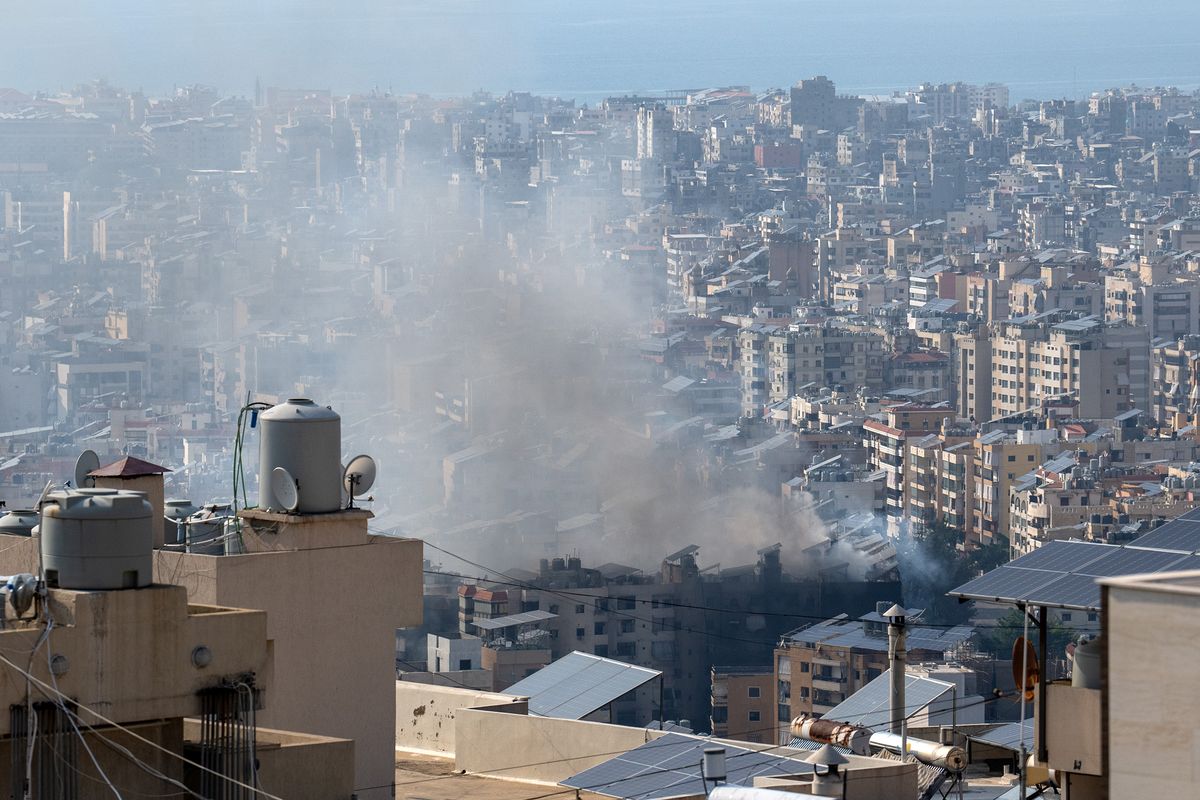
{"type": "Point", "coordinates": [998, 639]}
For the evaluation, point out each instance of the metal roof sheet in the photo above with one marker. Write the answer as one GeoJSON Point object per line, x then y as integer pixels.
{"type": "Point", "coordinates": [578, 684]}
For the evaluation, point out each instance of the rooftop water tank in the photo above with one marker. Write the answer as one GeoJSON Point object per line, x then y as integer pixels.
{"type": "Point", "coordinates": [97, 539]}
{"type": "Point", "coordinates": [306, 440]}
{"type": "Point", "coordinates": [205, 529]}
{"type": "Point", "coordinates": [174, 513]}
{"type": "Point", "coordinates": [19, 522]}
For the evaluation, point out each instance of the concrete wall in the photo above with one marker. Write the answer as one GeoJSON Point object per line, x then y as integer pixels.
{"type": "Point", "coordinates": [128, 654]}
{"type": "Point", "coordinates": [538, 748]}
{"type": "Point", "coordinates": [425, 714]}
{"type": "Point", "coordinates": [128, 777]}
{"type": "Point", "coordinates": [478, 679]}
{"type": "Point", "coordinates": [449, 654]}
{"type": "Point", "coordinates": [1153, 706]}
{"type": "Point", "coordinates": [296, 765]}
{"type": "Point", "coordinates": [334, 595]}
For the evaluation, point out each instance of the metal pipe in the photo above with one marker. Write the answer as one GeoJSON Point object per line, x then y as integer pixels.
{"type": "Point", "coordinates": [935, 754]}
{"type": "Point", "coordinates": [1021, 689]}
{"type": "Point", "coordinates": [854, 738]}
{"type": "Point", "coordinates": [897, 656]}
{"type": "Point", "coordinates": [1044, 678]}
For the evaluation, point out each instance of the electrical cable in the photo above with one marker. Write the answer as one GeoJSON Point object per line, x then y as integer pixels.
{"type": "Point", "coordinates": [48, 688]}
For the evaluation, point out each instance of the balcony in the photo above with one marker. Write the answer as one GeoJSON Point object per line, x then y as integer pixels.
{"type": "Point", "coordinates": [831, 684]}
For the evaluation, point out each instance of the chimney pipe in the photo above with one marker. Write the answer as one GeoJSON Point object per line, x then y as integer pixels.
{"type": "Point", "coordinates": [897, 656]}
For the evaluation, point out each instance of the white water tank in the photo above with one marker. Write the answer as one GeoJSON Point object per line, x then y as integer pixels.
{"type": "Point", "coordinates": [97, 539]}
{"type": "Point", "coordinates": [306, 440]}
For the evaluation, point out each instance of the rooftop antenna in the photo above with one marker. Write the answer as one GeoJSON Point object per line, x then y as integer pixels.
{"type": "Point", "coordinates": [87, 462]}
{"type": "Point", "coordinates": [358, 477]}
{"type": "Point", "coordinates": [285, 488]}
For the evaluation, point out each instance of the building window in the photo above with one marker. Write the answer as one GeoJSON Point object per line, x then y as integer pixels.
{"type": "Point", "coordinates": [579, 633]}
{"type": "Point", "coordinates": [753, 691]}
{"type": "Point", "coordinates": [626, 649]}
{"type": "Point", "coordinates": [804, 666]}
{"type": "Point", "coordinates": [626, 626]}
{"type": "Point", "coordinates": [754, 716]}
{"type": "Point", "coordinates": [600, 650]}
{"type": "Point", "coordinates": [1066, 616]}
{"type": "Point", "coordinates": [464, 664]}
{"type": "Point", "coordinates": [598, 628]}
{"type": "Point", "coordinates": [580, 608]}
{"type": "Point", "coordinates": [626, 603]}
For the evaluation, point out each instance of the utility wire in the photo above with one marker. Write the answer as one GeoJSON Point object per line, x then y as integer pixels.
{"type": "Point", "coordinates": [45, 687]}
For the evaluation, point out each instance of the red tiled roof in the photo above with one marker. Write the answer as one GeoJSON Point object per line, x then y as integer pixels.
{"type": "Point", "coordinates": [128, 467]}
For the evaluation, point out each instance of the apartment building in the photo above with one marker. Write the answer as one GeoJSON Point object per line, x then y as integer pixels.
{"type": "Point", "coordinates": [1168, 306]}
{"type": "Point", "coordinates": [776, 362]}
{"type": "Point", "coordinates": [819, 666]}
{"type": "Point", "coordinates": [971, 374]}
{"type": "Point", "coordinates": [886, 442]}
{"type": "Point", "coordinates": [1105, 368]}
{"type": "Point", "coordinates": [1001, 458]}
{"type": "Point", "coordinates": [925, 483]}
{"type": "Point", "coordinates": [1175, 401]}
{"type": "Point", "coordinates": [743, 704]}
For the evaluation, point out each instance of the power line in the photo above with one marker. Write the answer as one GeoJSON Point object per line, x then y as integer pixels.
{"type": "Point", "coordinates": [45, 687]}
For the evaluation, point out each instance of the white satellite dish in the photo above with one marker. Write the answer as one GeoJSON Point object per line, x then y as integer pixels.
{"type": "Point", "coordinates": [358, 477]}
{"type": "Point", "coordinates": [87, 462]}
{"type": "Point", "coordinates": [283, 486]}
{"type": "Point", "coordinates": [345, 494]}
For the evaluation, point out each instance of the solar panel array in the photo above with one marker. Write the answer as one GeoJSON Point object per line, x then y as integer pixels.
{"type": "Point", "coordinates": [1007, 735]}
{"type": "Point", "coordinates": [670, 767]}
{"type": "Point", "coordinates": [844, 632]}
{"type": "Point", "coordinates": [870, 705]}
{"type": "Point", "coordinates": [524, 618]}
{"type": "Point", "coordinates": [578, 684]}
{"type": "Point", "coordinates": [1063, 574]}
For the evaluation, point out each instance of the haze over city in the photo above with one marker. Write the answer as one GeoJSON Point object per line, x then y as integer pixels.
{"type": "Point", "coordinates": [647, 401]}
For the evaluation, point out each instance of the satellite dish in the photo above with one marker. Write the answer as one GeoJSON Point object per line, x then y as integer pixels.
{"type": "Point", "coordinates": [345, 494]}
{"type": "Point", "coordinates": [21, 591]}
{"type": "Point", "coordinates": [358, 477]}
{"type": "Point", "coordinates": [1025, 666]}
{"type": "Point", "coordinates": [284, 487]}
{"type": "Point", "coordinates": [87, 462]}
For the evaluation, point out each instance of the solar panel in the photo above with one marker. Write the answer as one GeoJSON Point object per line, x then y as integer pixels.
{"type": "Point", "coordinates": [1005, 583]}
{"type": "Point", "coordinates": [1130, 561]}
{"type": "Point", "coordinates": [1007, 735]}
{"type": "Point", "coordinates": [1181, 533]}
{"type": "Point", "coordinates": [670, 767]}
{"type": "Point", "coordinates": [511, 620]}
{"type": "Point", "coordinates": [870, 705]}
{"type": "Point", "coordinates": [1067, 591]}
{"type": "Point", "coordinates": [578, 684]}
{"type": "Point", "coordinates": [1062, 556]}
{"type": "Point", "coordinates": [1064, 573]}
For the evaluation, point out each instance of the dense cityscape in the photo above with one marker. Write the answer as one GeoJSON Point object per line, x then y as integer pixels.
{"type": "Point", "coordinates": [717, 394]}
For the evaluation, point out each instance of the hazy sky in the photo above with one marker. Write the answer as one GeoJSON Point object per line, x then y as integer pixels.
{"type": "Point", "coordinates": [588, 49]}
